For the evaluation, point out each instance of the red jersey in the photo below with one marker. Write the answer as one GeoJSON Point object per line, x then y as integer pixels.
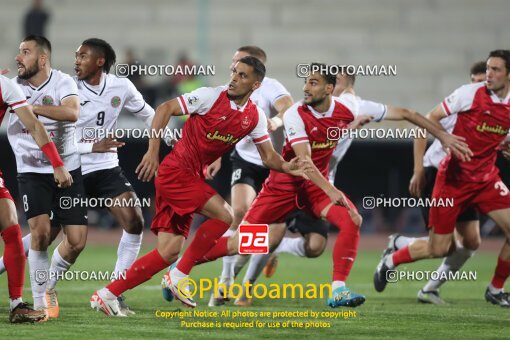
{"type": "Point", "coordinates": [215, 125]}
{"type": "Point", "coordinates": [304, 124]}
{"type": "Point", "coordinates": [484, 120]}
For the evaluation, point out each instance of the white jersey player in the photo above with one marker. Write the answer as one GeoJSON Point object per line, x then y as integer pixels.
{"type": "Point", "coordinates": [53, 96]}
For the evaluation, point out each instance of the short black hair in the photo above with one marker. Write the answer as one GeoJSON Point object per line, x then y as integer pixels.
{"type": "Point", "coordinates": [503, 54]}
{"type": "Point", "coordinates": [478, 67]}
{"type": "Point", "coordinates": [41, 42]}
{"type": "Point", "coordinates": [330, 78]}
{"type": "Point", "coordinates": [254, 51]}
{"type": "Point", "coordinates": [256, 64]}
{"type": "Point", "coordinates": [104, 49]}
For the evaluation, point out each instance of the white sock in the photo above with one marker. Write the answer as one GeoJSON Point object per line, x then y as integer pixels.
{"type": "Point", "coordinates": [39, 271]}
{"type": "Point", "coordinates": [57, 269]}
{"type": "Point", "coordinates": [26, 246]}
{"type": "Point", "coordinates": [240, 262]}
{"type": "Point", "coordinates": [495, 290]}
{"type": "Point", "coordinates": [292, 245]}
{"type": "Point", "coordinates": [15, 302]}
{"type": "Point", "coordinates": [403, 241]}
{"type": "Point", "coordinates": [389, 262]}
{"type": "Point", "coordinates": [105, 293]}
{"type": "Point", "coordinates": [337, 284]}
{"type": "Point", "coordinates": [228, 267]}
{"type": "Point", "coordinates": [255, 267]}
{"type": "Point", "coordinates": [127, 252]}
{"type": "Point", "coordinates": [451, 263]}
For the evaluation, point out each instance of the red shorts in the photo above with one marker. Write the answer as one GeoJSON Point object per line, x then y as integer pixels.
{"type": "Point", "coordinates": [485, 197]}
{"type": "Point", "coordinates": [282, 194]}
{"type": "Point", "coordinates": [178, 197]}
{"type": "Point", "coordinates": [4, 192]}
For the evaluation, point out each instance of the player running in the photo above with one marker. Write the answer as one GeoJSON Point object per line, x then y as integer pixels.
{"type": "Point", "coordinates": [53, 97]}
{"type": "Point", "coordinates": [421, 185]}
{"type": "Point", "coordinates": [12, 96]}
{"type": "Point", "coordinates": [306, 126]}
{"type": "Point", "coordinates": [482, 118]}
{"type": "Point", "coordinates": [220, 117]}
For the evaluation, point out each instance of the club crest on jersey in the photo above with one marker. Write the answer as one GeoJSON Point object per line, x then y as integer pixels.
{"type": "Point", "coordinates": [292, 132]}
{"type": "Point", "coordinates": [115, 101]}
{"type": "Point", "coordinates": [245, 123]}
{"type": "Point", "coordinates": [228, 139]}
{"type": "Point", "coordinates": [47, 100]}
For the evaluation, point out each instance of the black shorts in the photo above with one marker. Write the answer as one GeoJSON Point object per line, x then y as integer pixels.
{"type": "Point", "coordinates": [40, 195]}
{"type": "Point", "coordinates": [108, 183]}
{"type": "Point", "coordinates": [301, 222]}
{"type": "Point", "coordinates": [470, 214]}
{"type": "Point", "coordinates": [247, 173]}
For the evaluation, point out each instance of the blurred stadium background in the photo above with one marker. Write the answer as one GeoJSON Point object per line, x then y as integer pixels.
{"type": "Point", "coordinates": [432, 43]}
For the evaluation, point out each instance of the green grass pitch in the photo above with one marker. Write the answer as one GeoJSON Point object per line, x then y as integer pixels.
{"type": "Point", "coordinates": [394, 313]}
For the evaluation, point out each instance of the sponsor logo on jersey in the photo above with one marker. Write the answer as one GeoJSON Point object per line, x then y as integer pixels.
{"type": "Point", "coordinates": [115, 101]}
{"type": "Point", "coordinates": [85, 102]}
{"type": "Point", "coordinates": [292, 131]}
{"type": "Point", "coordinates": [329, 144]}
{"type": "Point", "coordinates": [192, 100]}
{"type": "Point", "coordinates": [245, 123]}
{"type": "Point", "coordinates": [47, 100]}
{"type": "Point", "coordinates": [497, 129]}
{"type": "Point", "coordinates": [228, 139]}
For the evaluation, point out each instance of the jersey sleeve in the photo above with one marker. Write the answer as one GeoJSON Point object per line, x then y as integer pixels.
{"type": "Point", "coordinates": [200, 100]}
{"type": "Point", "coordinates": [377, 110]}
{"type": "Point", "coordinates": [259, 134]}
{"type": "Point", "coordinates": [350, 102]}
{"type": "Point", "coordinates": [12, 94]}
{"type": "Point", "coordinates": [460, 100]}
{"type": "Point", "coordinates": [275, 91]}
{"type": "Point", "coordinates": [67, 88]}
{"type": "Point", "coordinates": [137, 105]}
{"type": "Point", "coordinates": [294, 126]}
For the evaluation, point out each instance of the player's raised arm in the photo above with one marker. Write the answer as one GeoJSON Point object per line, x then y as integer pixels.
{"type": "Point", "coordinates": [150, 161]}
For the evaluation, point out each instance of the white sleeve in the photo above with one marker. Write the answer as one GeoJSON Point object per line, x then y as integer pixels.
{"type": "Point", "coordinates": [200, 100]}
{"type": "Point", "coordinates": [137, 105]}
{"type": "Point", "coordinates": [377, 110]}
{"type": "Point", "coordinates": [275, 91]}
{"type": "Point", "coordinates": [350, 102]}
{"type": "Point", "coordinates": [294, 126]}
{"type": "Point", "coordinates": [259, 134]}
{"type": "Point", "coordinates": [460, 100]}
{"type": "Point", "coordinates": [12, 94]}
{"type": "Point", "coordinates": [67, 88]}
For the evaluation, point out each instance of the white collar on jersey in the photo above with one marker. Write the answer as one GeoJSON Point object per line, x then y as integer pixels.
{"type": "Point", "coordinates": [97, 89]}
{"type": "Point", "coordinates": [234, 106]}
{"type": "Point", "coordinates": [496, 99]}
{"type": "Point", "coordinates": [43, 84]}
{"type": "Point", "coordinates": [328, 113]}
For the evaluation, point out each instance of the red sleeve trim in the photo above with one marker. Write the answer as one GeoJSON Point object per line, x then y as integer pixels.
{"type": "Point", "coordinates": [183, 105]}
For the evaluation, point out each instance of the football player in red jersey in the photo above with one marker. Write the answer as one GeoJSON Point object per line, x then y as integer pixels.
{"type": "Point", "coordinates": [219, 118]}
{"type": "Point", "coordinates": [483, 118]}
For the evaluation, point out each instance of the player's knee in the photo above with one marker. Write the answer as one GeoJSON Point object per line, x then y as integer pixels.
{"type": "Point", "coordinates": [239, 212]}
{"type": "Point", "coordinates": [438, 250]}
{"type": "Point", "coordinates": [314, 247]}
{"type": "Point", "coordinates": [472, 243]}
{"type": "Point", "coordinates": [40, 241]}
{"type": "Point", "coordinates": [357, 219]}
{"type": "Point", "coordinates": [76, 246]}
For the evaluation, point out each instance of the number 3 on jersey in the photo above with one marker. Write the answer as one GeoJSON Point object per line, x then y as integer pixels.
{"type": "Point", "coordinates": [503, 190]}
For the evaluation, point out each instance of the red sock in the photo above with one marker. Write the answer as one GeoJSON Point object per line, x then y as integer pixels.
{"type": "Point", "coordinates": [220, 249]}
{"type": "Point", "coordinates": [205, 239]}
{"type": "Point", "coordinates": [14, 260]}
{"type": "Point", "coordinates": [346, 244]}
{"type": "Point", "coordinates": [402, 256]}
{"type": "Point", "coordinates": [501, 273]}
{"type": "Point", "coordinates": [140, 271]}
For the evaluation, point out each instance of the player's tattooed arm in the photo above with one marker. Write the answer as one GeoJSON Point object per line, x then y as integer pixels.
{"type": "Point", "coordinates": [68, 111]}
{"type": "Point", "coordinates": [150, 161]}
{"type": "Point", "coordinates": [303, 151]}
{"type": "Point", "coordinates": [281, 105]}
